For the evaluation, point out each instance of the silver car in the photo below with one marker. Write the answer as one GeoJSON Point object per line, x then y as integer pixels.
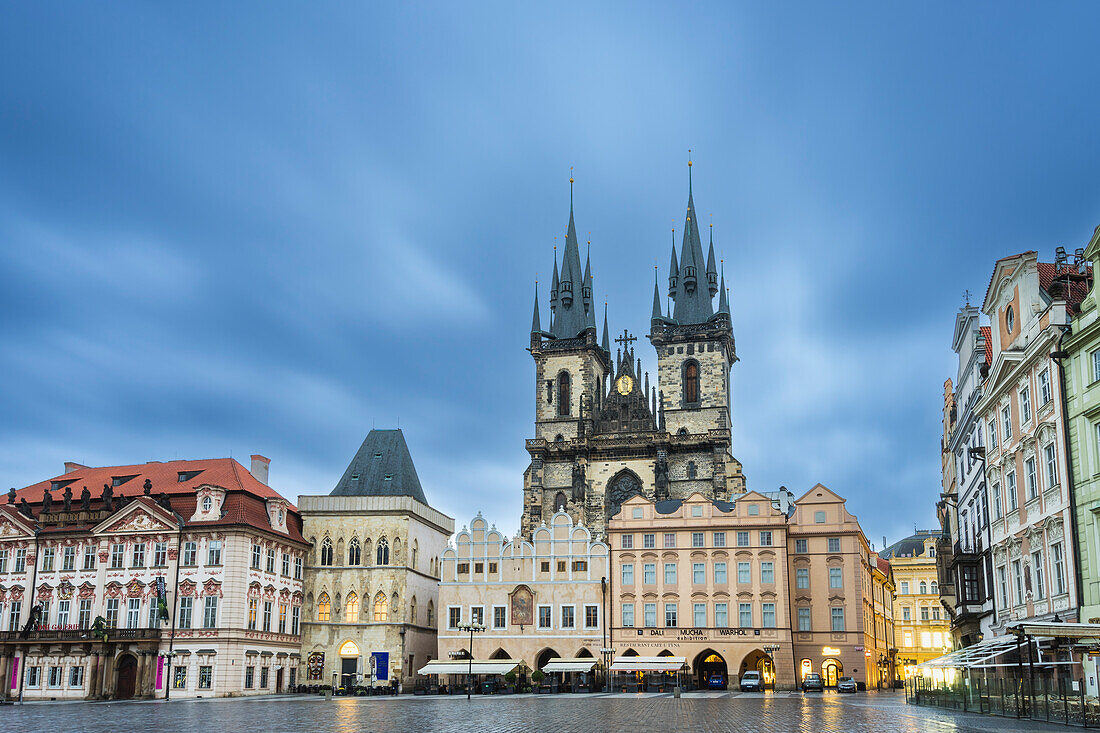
{"type": "Point", "coordinates": [847, 684]}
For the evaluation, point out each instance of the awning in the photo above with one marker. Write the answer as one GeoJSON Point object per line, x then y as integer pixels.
{"type": "Point", "coordinates": [578, 664]}
{"type": "Point", "coordinates": [1058, 630]}
{"type": "Point", "coordinates": [975, 656]}
{"type": "Point", "coordinates": [464, 666]}
{"type": "Point", "coordinates": [648, 664]}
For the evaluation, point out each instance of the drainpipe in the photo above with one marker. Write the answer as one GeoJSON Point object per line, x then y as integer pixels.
{"type": "Point", "coordinates": [1058, 356]}
{"type": "Point", "coordinates": [34, 582]}
{"type": "Point", "coordinates": [175, 602]}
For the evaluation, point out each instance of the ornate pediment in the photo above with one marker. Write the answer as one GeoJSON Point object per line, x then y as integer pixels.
{"type": "Point", "coordinates": [14, 526]}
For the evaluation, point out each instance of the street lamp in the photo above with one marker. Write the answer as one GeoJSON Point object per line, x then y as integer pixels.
{"type": "Point", "coordinates": [470, 675]}
{"type": "Point", "coordinates": [606, 653]}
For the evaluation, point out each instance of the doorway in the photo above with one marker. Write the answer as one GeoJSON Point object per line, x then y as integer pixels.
{"type": "Point", "coordinates": [761, 662]}
{"type": "Point", "coordinates": [830, 672]}
{"type": "Point", "coordinates": [348, 667]}
{"type": "Point", "coordinates": [127, 677]}
{"type": "Point", "coordinates": [279, 680]}
{"type": "Point", "coordinates": [710, 671]}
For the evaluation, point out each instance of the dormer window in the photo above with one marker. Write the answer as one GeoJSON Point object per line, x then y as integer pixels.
{"type": "Point", "coordinates": [388, 477]}
{"type": "Point", "coordinates": [120, 480]}
{"type": "Point", "coordinates": [377, 456]}
{"type": "Point", "coordinates": [355, 477]}
{"type": "Point", "coordinates": [207, 503]}
{"type": "Point", "coordinates": [1010, 319]}
{"type": "Point", "coordinates": [183, 476]}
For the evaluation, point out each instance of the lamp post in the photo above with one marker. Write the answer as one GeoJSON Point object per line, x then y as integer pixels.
{"type": "Point", "coordinates": [470, 675]}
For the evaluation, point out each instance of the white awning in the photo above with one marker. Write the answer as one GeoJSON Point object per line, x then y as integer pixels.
{"type": "Point", "coordinates": [1058, 630]}
{"type": "Point", "coordinates": [648, 664]}
{"type": "Point", "coordinates": [463, 666]}
{"type": "Point", "coordinates": [579, 664]}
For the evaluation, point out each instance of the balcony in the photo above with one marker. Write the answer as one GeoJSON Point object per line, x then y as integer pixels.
{"type": "Point", "coordinates": [968, 546]}
{"type": "Point", "coordinates": [78, 635]}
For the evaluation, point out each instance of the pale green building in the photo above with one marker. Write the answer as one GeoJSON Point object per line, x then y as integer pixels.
{"type": "Point", "coordinates": [1082, 386]}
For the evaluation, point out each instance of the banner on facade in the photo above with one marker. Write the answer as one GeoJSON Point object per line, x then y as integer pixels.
{"type": "Point", "coordinates": [162, 600]}
{"type": "Point", "coordinates": [315, 665]}
{"type": "Point", "coordinates": [380, 665]}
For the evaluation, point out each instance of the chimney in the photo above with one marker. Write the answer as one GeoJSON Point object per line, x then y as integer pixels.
{"type": "Point", "coordinates": [71, 466]}
{"type": "Point", "coordinates": [259, 468]}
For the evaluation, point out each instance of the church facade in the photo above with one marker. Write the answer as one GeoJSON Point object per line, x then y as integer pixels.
{"type": "Point", "coordinates": [603, 432]}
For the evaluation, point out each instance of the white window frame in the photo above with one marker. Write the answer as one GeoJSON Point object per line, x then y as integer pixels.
{"type": "Point", "coordinates": [538, 617]}
{"type": "Point", "coordinates": [572, 607]}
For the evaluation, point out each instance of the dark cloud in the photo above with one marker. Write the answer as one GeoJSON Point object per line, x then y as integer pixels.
{"type": "Point", "coordinates": [260, 228]}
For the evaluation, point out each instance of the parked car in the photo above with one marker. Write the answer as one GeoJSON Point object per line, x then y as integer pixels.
{"type": "Point", "coordinates": [847, 684]}
{"type": "Point", "coordinates": [752, 681]}
{"type": "Point", "coordinates": [812, 681]}
{"type": "Point", "coordinates": [716, 681]}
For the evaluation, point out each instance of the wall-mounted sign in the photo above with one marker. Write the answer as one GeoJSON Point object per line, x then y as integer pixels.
{"type": "Point", "coordinates": [380, 665]}
{"type": "Point", "coordinates": [830, 651]}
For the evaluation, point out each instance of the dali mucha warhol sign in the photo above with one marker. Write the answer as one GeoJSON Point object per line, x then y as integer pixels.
{"type": "Point", "coordinates": [698, 634]}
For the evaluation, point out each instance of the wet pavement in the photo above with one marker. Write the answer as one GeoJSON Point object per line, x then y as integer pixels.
{"type": "Point", "coordinates": [700, 712]}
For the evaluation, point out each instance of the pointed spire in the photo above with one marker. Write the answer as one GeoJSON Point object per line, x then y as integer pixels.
{"type": "Point", "coordinates": [723, 300]}
{"type": "Point", "coordinates": [536, 325]}
{"type": "Point", "coordinates": [712, 272]}
{"type": "Point", "coordinates": [657, 315]}
{"type": "Point", "coordinates": [673, 269]}
{"type": "Point", "coordinates": [571, 317]}
{"type": "Point", "coordinates": [605, 344]}
{"type": "Point", "coordinates": [693, 303]}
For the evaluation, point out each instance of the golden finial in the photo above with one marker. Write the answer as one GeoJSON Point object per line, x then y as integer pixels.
{"type": "Point", "coordinates": [689, 157]}
{"type": "Point", "coordinates": [570, 174]}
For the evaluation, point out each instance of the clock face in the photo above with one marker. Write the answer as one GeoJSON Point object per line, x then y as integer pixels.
{"type": "Point", "coordinates": [624, 384]}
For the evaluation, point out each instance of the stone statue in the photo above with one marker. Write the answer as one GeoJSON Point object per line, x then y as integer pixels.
{"type": "Point", "coordinates": [25, 508]}
{"type": "Point", "coordinates": [106, 496]}
{"type": "Point", "coordinates": [11, 496]}
{"type": "Point", "coordinates": [163, 501]}
{"type": "Point", "coordinates": [147, 487]}
{"type": "Point", "coordinates": [85, 499]}
{"type": "Point", "coordinates": [660, 474]}
{"type": "Point", "coordinates": [67, 498]}
{"type": "Point", "coordinates": [47, 501]}
{"type": "Point", "coordinates": [578, 482]}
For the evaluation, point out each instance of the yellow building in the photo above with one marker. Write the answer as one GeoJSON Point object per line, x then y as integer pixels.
{"type": "Point", "coordinates": [922, 628]}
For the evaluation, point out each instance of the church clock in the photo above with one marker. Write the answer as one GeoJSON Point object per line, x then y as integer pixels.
{"type": "Point", "coordinates": [624, 384]}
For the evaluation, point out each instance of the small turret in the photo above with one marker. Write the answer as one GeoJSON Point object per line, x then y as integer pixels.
{"type": "Point", "coordinates": [536, 325]}
{"type": "Point", "coordinates": [605, 343]}
{"type": "Point", "coordinates": [673, 269]}
{"type": "Point", "coordinates": [712, 273]}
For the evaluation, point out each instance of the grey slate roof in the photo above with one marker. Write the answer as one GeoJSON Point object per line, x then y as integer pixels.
{"type": "Point", "coordinates": [695, 306]}
{"type": "Point", "coordinates": [381, 467]}
{"type": "Point", "coordinates": [911, 546]}
{"type": "Point", "coordinates": [570, 320]}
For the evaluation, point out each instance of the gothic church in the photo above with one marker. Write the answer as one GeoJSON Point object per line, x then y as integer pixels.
{"type": "Point", "coordinates": [602, 432]}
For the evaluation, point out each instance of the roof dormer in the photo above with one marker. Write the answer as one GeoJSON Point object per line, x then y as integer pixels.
{"type": "Point", "coordinates": [208, 504]}
{"type": "Point", "coordinates": [276, 513]}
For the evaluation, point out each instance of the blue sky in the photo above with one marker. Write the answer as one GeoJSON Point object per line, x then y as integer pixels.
{"type": "Point", "coordinates": [269, 227]}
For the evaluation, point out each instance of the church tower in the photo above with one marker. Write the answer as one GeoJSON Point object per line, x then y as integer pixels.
{"type": "Point", "coordinates": [603, 433]}
{"type": "Point", "coordinates": [695, 353]}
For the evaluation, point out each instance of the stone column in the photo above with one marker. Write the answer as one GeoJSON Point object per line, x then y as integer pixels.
{"type": "Point", "coordinates": [5, 674]}
{"type": "Point", "coordinates": [93, 676]}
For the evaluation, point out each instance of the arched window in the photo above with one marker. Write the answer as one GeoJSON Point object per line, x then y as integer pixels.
{"type": "Point", "coordinates": [324, 608]}
{"type": "Point", "coordinates": [923, 587]}
{"type": "Point", "coordinates": [415, 553]}
{"type": "Point", "coordinates": [353, 551]}
{"type": "Point", "coordinates": [935, 587]}
{"type": "Point", "coordinates": [382, 554]}
{"type": "Point", "coordinates": [692, 471]}
{"type": "Point", "coordinates": [559, 502]}
{"type": "Point", "coordinates": [563, 394]}
{"type": "Point", "coordinates": [381, 610]}
{"type": "Point", "coordinates": [431, 614]}
{"type": "Point", "coordinates": [352, 609]}
{"type": "Point", "coordinates": [326, 551]}
{"type": "Point", "coordinates": [691, 383]}
{"type": "Point", "coordinates": [682, 431]}
{"type": "Point", "coordinates": [412, 610]}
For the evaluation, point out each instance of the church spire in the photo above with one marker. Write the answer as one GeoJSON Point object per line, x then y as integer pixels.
{"type": "Point", "coordinates": [673, 269]}
{"type": "Point", "coordinates": [712, 273]}
{"type": "Point", "coordinates": [657, 315]}
{"type": "Point", "coordinates": [693, 303]}
{"type": "Point", "coordinates": [723, 299]}
{"type": "Point", "coordinates": [605, 344]}
{"type": "Point", "coordinates": [536, 325]}
{"type": "Point", "coordinates": [570, 318]}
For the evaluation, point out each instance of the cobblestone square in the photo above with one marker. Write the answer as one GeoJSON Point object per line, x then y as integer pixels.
{"type": "Point", "coordinates": [698, 712]}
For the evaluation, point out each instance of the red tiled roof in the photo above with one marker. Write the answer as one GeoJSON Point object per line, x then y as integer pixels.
{"type": "Point", "coordinates": [245, 501]}
{"type": "Point", "coordinates": [987, 334]}
{"type": "Point", "coordinates": [883, 565]}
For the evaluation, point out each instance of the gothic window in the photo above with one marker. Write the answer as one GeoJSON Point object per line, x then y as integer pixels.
{"type": "Point", "coordinates": [691, 469]}
{"type": "Point", "coordinates": [691, 383]}
{"type": "Point", "coordinates": [559, 438]}
{"type": "Point", "coordinates": [682, 431]}
{"type": "Point", "coordinates": [353, 551]}
{"type": "Point", "coordinates": [563, 394]}
{"type": "Point", "coordinates": [415, 553]}
{"type": "Point", "coordinates": [326, 551]}
{"type": "Point", "coordinates": [382, 555]}
{"type": "Point", "coordinates": [324, 608]}
{"type": "Point", "coordinates": [621, 488]}
{"type": "Point", "coordinates": [412, 610]}
{"type": "Point", "coordinates": [352, 609]}
{"type": "Point", "coordinates": [381, 610]}
{"type": "Point", "coordinates": [431, 614]}
{"type": "Point", "coordinates": [559, 502]}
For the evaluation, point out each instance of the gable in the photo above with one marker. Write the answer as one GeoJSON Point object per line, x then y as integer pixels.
{"type": "Point", "coordinates": [138, 516]}
{"type": "Point", "coordinates": [819, 494]}
{"type": "Point", "coordinates": [13, 524]}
